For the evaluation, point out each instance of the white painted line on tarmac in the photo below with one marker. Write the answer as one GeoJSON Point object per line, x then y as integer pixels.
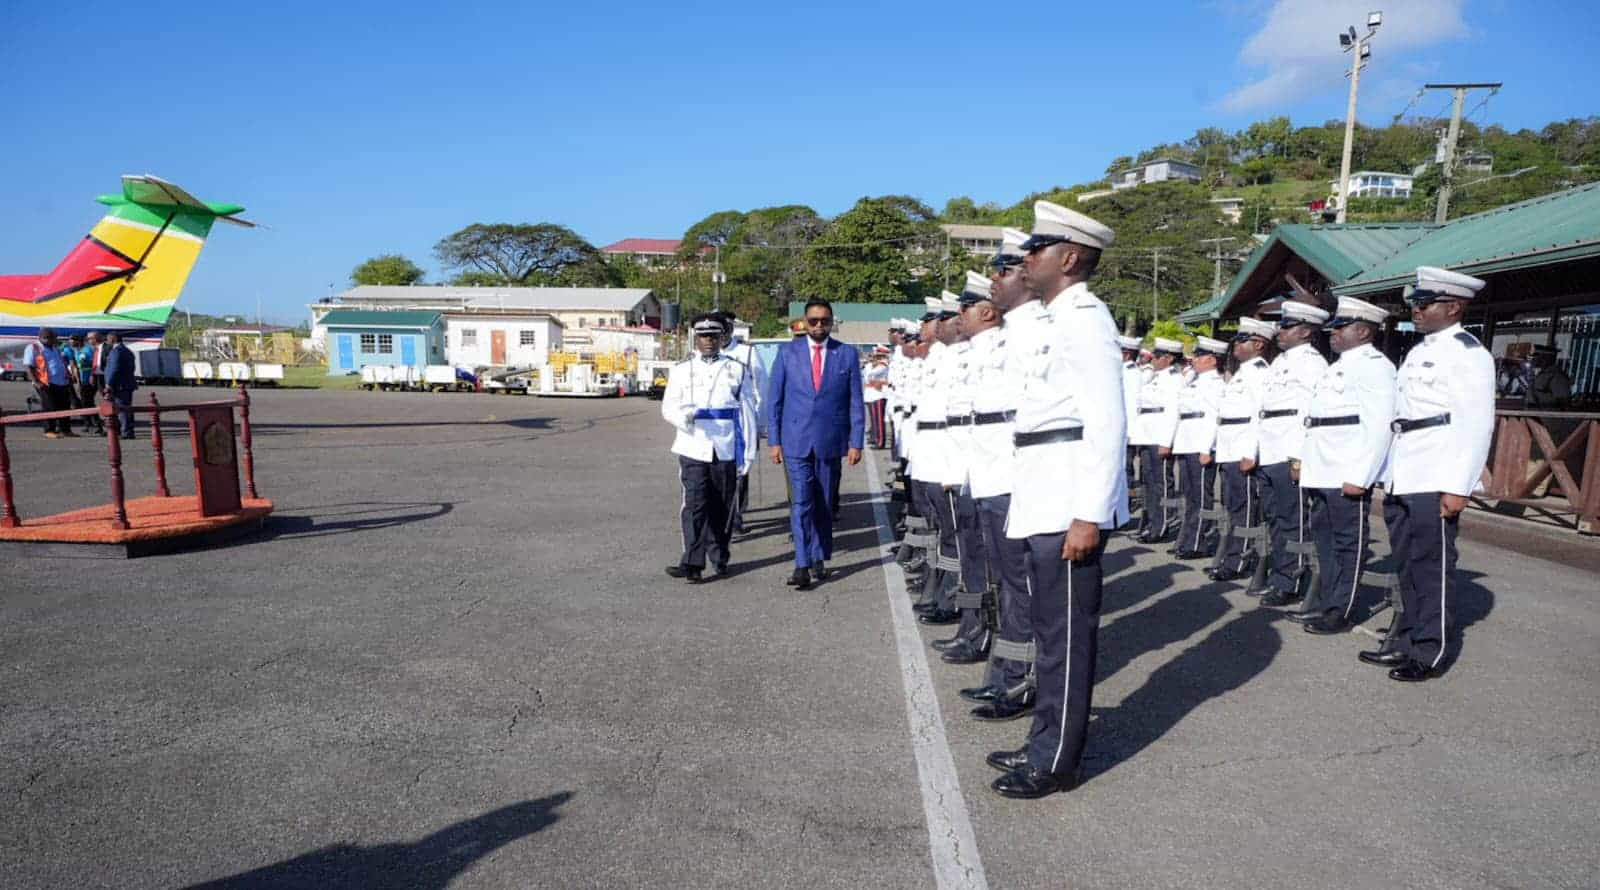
{"type": "Point", "coordinates": [954, 848]}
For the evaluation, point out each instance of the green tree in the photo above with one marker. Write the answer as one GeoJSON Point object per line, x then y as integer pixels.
{"type": "Point", "coordinates": [862, 257]}
{"type": "Point", "coordinates": [523, 255]}
{"type": "Point", "coordinates": [389, 268]}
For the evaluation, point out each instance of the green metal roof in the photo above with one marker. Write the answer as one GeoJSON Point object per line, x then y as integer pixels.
{"type": "Point", "coordinates": [379, 318]}
{"type": "Point", "coordinates": [1337, 252]}
{"type": "Point", "coordinates": [1210, 310]}
{"type": "Point", "coordinates": [1554, 228]}
{"type": "Point", "coordinates": [864, 311]}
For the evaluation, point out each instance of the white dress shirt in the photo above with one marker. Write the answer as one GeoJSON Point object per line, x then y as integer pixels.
{"type": "Point", "coordinates": [928, 452]}
{"type": "Point", "coordinates": [1290, 380]}
{"type": "Point", "coordinates": [1359, 384]}
{"type": "Point", "coordinates": [996, 389]}
{"type": "Point", "coordinates": [720, 383]}
{"type": "Point", "coordinates": [1072, 377]}
{"type": "Point", "coordinates": [1201, 395]}
{"type": "Point", "coordinates": [1241, 401]}
{"type": "Point", "coordinates": [1133, 377]}
{"type": "Point", "coordinates": [1157, 419]}
{"type": "Point", "coordinates": [1449, 372]}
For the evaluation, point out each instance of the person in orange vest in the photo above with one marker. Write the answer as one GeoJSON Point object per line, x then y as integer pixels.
{"type": "Point", "coordinates": [47, 371]}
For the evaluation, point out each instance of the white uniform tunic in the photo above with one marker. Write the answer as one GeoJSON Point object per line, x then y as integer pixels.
{"type": "Point", "coordinates": [1133, 377]}
{"type": "Point", "coordinates": [1072, 377]}
{"type": "Point", "coordinates": [910, 387]}
{"type": "Point", "coordinates": [928, 454]}
{"type": "Point", "coordinates": [997, 387]}
{"type": "Point", "coordinates": [958, 386]}
{"type": "Point", "coordinates": [1201, 395]}
{"type": "Point", "coordinates": [1290, 380]}
{"type": "Point", "coordinates": [720, 384]}
{"type": "Point", "coordinates": [1449, 372]}
{"type": "Point", "coordinates": [1157, 419]}
{"type": "Point", "coordinates": [1360, 384]}
{"type": "Point", "coordinates": [1241, 400]}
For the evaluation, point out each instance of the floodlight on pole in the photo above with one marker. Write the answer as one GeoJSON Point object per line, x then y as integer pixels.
{"type": "Point", "coordinates": [1374, 19]}
{"type": "Point", "coordinates": [1360, 52]}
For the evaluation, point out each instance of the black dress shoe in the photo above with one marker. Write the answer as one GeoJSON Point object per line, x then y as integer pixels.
{"type": "Point", "coordinates": [800, 580]}
{"type": "Point", "coordinates": [965, 652]}
{"type": "Point", "coordinates": [721, 569]}
{"type": "Point", "coordinates": [1382, 658]}
{"type": "Point", "coordinates": [1327, 625]}
{"type": "Point", "coordinates": [1008, 761]}
{"type": "Point", "coordinates": [1412, 672]}
{"type": "Point", "coordinates": [688, 573]}
{"type": "Point", "coordinates": [1302, 617]}
{"type": "Point", "coordinates": [942, 645]}
{"type": "Point", "coordinates": [982, 693]}
{"type": "Point", "coordinates": [1225, 575]}
{"type": "Point", "coordinates": [1029, 783]}
{"type": "Point", "coordinates": [924, 608]}
{"type": "Point", "coordinates": [1004, 709]}
{"type": "Point", "coordinates": [938, 616]}
{"type": "Point", "coordinates": [819, 573]}
{"type": "Point", "coordinates": [1277, 599]}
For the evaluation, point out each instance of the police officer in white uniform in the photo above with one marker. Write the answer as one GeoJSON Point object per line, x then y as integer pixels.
{"type": "Point", "coordinates": [1444, 419]}
{"type": "Point", "coordinates": [930, 457]}
{"type": "Point", "coordinates": [971, 643]}
{"type": "Point", "coordinates": [1347, 439]}
{"type": "Point", "coordinates": [756, 380]}
{"type": "Point", "coordinates": [710, 402]}
{"type": "Point", "coordinates": [1133, 374]}
{"type": "Point", "coordinates": [1238, 422]}
{"type": "Point", "coordinates": [1192, 445]}
{"type": "Point", "coordinates": [1008, 312]}
{"type": "Point", "coordinates": [1284, 399]}
{"type": "Point", "coordinates": [1069, 437]}
{"type": "Point", "coordinates": [1151, 430]}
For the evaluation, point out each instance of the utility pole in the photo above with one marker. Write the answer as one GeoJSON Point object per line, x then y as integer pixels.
{"type": "Point", "coordinates": [1359, 50]}
{"type": "Point", "coordinates": [1216, 276]}
{"type": "Point", "coordinates": [716, 281]}
{"type": "Point", "coordinates": [1447, 173]}
{"type": "Point", "coordinates": [1155, 293]}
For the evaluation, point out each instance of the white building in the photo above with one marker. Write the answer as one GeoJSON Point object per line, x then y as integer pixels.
{"type": "Point", "coordinates": [575, 308]}
{"type": "Point", "coordinates": [480, 339]}
{"type": "Point", "coordinates": [1230, 209]}
{"type": "Point", "coordinates": [978, 240]}
{"type": "Point", "coordinates": [1375, 184]}
{"type": "Point", "coordinates": [1158, 170]}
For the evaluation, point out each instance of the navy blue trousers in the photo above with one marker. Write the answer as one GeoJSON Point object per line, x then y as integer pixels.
{"type": "Point", "coordinates": [1424, 545]}
{"type": "Point", "coordinates": [1286, 513]}
{"type": "Point", "coordinates": [1241, 496]}
{"type": "Point", "coordinates": [1066, 626]}
{"type": "Point", "coordinates": [1007, 561]}
{"type": "Point", "coordinates": [814, 492]}
{"type": "Point", "coordinates": [1339, 530]}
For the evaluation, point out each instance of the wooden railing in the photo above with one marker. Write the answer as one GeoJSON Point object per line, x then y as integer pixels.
{"type": "Point", "coordinates": [1526, 456]}
{"type": "Point", "coordinates": [10, 518]}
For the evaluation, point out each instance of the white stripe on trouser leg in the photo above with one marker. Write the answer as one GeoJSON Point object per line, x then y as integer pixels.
{"type": "Point", "coordinates": [951, 495]}
{"type": "Point", "coordinates": [1238, 565]}
{"type": "Point", "coordinates": [1300, 533]}
{"type": "Point", "coordinates": [1361, 550]}
{"type": "Point", "coordinates": [683, 508]}
{"type": "Point", "coordinates": [1066, 685]}
{"type": "Point", "coordinates": [1444, 555]}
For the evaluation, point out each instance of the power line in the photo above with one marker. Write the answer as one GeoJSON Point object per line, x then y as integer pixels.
{"type": "Point", "coordinates": [1409, 105]}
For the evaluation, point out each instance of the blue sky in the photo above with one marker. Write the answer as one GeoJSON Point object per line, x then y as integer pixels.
{"type": "Point", "coordinates": [357, 129]}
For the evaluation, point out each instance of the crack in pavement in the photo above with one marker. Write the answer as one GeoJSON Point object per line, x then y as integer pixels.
{"type": "Point", "coordinates": [1322, 758]}
{"type": "Point", "coordinates": [282, 656]}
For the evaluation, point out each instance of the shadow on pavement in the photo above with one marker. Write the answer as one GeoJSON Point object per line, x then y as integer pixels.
{"type": "Point", "coordinates": [430, 863]}
{"type": "Point", "coordinates": [1166, 621]}
{"type": "Point", "coordinates": [1473, 603]}
{"type": "Point", "coordinates": [520, 423]}
{"type": "Point", "coordinates": [1225, 660]}
{"type": "Point", "coordinates": [339, 519]}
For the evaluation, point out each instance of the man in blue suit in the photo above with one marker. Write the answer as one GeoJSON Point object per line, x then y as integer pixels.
{"type": "Point", "coordinates": [121, 382]}
{"type": "Point", "coordinates": [814, 418]}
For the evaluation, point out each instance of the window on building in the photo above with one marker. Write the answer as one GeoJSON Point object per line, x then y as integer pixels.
{"type": "Point", "coordinates": [527, 338]}
{"type": "Point", "coordinates": [369, 344]}
{"type": "Point", "coordinates": [583, 322]}
{"type": "Point", "coordinates": [469, 336]}
{"type": "Point", "coordinates": [386, 344]}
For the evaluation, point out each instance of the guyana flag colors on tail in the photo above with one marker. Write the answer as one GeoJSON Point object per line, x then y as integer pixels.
{"type": "Point", "coordinates": [124, 276]}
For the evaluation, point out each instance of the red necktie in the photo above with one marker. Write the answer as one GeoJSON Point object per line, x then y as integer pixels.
{"type": "Point", "coordinates": [97, 359]}
{"type": "Point", "coordinates": [816, 367]}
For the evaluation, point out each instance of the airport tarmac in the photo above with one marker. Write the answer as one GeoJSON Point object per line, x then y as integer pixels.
{"type": "Point", "coordinates": [453, 659]}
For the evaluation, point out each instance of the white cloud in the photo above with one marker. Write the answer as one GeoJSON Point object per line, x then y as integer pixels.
{"type": "Point", "coordinates": [1297, 44]}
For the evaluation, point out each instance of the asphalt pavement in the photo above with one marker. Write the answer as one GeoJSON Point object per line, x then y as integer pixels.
{"type": "Point", "coordinates": [452, 659]}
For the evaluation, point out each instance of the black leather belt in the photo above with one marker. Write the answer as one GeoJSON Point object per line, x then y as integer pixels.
{"type": "Point", "coordinates": [931, 424]}
{"type": "Point", "coordinates": [1281, 412]}
{"type": "Point", "coordinates": [984, 419]}
{"type": "Point", "coordinates": [1345, 420]}
{"type": "Point", "coordinates": [1045, 437]}
{"type": "Point", "coordinates": [963, 420]}
{"type": "Point", "coordinates": [1151, 410]}
{"type": "Point", "coordinates": [1421, 423]}
{"type": "Point", "coordinates": [1190, 415]}
{"type": "Point", "coordinates": [1231, 421]}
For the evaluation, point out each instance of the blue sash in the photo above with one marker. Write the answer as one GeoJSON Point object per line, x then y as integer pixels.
{"type": "Point", "coordinates": [734, 415]}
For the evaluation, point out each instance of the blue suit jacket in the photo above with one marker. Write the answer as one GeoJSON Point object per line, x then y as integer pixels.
{"type": "Point", "coordinates": [805, 421]}
{"type": "Point", "coordinates": [120, 370]}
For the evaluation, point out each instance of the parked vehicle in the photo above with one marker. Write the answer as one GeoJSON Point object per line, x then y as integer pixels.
{"type": "Point", "coordinates": [159, 365]}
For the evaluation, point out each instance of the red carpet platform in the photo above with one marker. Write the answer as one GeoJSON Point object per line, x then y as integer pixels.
{"type": "Point", "coordinates": [156, 525]}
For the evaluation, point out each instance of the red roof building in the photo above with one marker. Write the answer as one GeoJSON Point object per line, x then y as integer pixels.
{"type": "Point", "coordinates": [644, 246]}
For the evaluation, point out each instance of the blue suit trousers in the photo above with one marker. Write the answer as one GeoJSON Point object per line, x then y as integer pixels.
{"type": "Point", "coordinates": [813, 493]}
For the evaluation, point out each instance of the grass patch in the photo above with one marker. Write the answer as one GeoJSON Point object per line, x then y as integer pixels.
{"type": "Point", "coordinates": [316, 377]}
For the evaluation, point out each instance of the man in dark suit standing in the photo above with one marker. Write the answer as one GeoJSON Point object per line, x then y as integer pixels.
{"type": "Point", "coordinates": [121, 382]}
{"type": "Point", "coordinates": [815, 417]}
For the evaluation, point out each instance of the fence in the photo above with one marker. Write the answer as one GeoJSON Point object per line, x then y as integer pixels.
{"type": "Point", "coordinates": [1526, 458]}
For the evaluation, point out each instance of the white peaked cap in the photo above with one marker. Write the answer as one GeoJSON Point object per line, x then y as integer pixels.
{"type": "Point", "coordinates": [708, 326]}
{"type": "Point", "coordinates": [1360, 310]}
{"type": "Point", "coordinates": [1162, 344]}
{"type": "Point", "coordinates": [1448, 283]}
{"type": "Point", "coordinates": [977, 283]}
{"type": "Point", "coordinates": [933, 304]}
{"type": "Point", "coordinates": [1207, 344]}
{"type": "Point", "coordinates": [1294, 310]}
{"type": "Point", "coordinates": [1054, 221]}
{"type": "Point", "coordinates": [950, 303]}
{"type": "Point", "coordinates": [1129, 343]}
{"type": "Point", "coordinates": [1011, 241]}
{"type": "Point", "coordinates": [1255, 327]}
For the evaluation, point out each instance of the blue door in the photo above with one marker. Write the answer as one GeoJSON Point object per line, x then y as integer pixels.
{"type": "Point", "coordinates": [347, 353]}
{"type": "Point", "coordinates": [408, 351]}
